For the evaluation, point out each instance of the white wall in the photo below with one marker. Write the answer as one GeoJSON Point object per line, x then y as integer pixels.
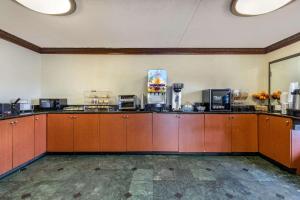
{"type": "Point", "coordinates": [20, 71]}
{"type": "Point", "coordinates": [286, 71]}
{"type": "Point", "coordinates": [29, 75]}
{"type": "Point", "coordinates": [70, 75]}
{"type": "Point", "coordinates": [283, 52]}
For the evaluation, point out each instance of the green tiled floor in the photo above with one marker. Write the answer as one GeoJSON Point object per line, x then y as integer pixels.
{"type": "Point", "coordinates": [113, 177]}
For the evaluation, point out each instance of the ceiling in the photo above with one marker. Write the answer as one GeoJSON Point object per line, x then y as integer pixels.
{"type": "Point", "coordinates": [150, 24]}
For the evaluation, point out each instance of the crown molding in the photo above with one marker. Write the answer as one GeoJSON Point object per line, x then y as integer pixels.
{"type": "Point", "coordinates": [19, 41]}
{"type": "Point", "coordinates": [283, 43]}
{"type": "Point", "coordinates": [153, 51]}
{"type": "Point", "coordinates": [149, 51]}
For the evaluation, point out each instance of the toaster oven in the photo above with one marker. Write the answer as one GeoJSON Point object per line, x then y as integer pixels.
{"type": "Point", "coordinates": [127, 102]}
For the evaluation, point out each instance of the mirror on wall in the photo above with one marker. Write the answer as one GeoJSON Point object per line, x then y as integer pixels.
{"type": "Point", "coordinates": [283, 72]}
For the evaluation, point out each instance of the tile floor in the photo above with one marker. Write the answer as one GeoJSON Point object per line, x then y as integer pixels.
{"type": "Point", "coordinates": [113, 177]}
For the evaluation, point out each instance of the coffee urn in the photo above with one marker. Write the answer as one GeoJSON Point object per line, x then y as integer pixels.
{"type": "Point", "coordinates": [295, 109]}
{"type": "Point", "coordinates": [176, 96]}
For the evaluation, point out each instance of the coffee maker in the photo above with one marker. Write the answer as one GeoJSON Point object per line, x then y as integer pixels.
{"type": "Point", "coordinates": [176, 96]}
{"type": "Point", "coordinates": [295, 108]}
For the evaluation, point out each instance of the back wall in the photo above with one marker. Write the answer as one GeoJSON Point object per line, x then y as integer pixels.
{"type": "Point", "coordinates": [70, 75]}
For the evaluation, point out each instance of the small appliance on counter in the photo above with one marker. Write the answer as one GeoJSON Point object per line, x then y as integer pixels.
{"type": "Point", "coordinates": [25, 106]}
{"type": "Point", "coordinates": [21, 106]}
{"type": "Point", "coordinates": [293, 86]}
{"type": "Point", "coordinates": [52, 104]}
{"type": "Point", "coordinates": [5, 108]}
{"type": "Point", "coordinates": [295, 109]}
{"type": "Point", "coordinates": [127, 102]}
{"type": "Point", "coordinates": [176, 96]}
{"type": "Point", "coordinates": [156, 90]}
{"type": "Point", "coordinates": [217, 99]}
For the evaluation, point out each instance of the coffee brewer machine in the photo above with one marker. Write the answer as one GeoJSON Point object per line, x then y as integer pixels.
{"type": "Point", "coordinates": [295, 108]}
{"type": "Point", "coordinates": [176, 96]}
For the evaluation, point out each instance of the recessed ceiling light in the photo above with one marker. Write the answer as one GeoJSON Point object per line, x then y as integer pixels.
{"type": "Point", "coordinates": [50, 7]}
{"type": "Point", "coordinates": [256, 7]}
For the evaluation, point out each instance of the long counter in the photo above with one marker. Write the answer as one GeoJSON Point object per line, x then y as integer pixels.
{"type": "Point", "coordinates": [4, 117]}
{"type": "Point", "coordinates": [27, 136]}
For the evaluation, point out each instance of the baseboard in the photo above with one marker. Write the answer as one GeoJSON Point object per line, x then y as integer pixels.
{"type": "Point", "coordinates": [158, 153]}
{"type": "Point", "coordinates": [281, 166]}
{"type": "Point", "coordinates": [24, 165]}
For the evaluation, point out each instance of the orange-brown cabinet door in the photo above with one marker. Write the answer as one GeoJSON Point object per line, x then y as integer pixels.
{"type": "Point", "coordinates": [217, 133]}
{"type": "Point", "coordinates": [165, 132]}
{"type": "Point", "coordinates": [60, 136]}
{"type": "Point", "coordinates": [191, 133]}
{"type": "Point", "coordinates": [112, 133]}
{"type": "Point", "coordinates": [281, 134]}
{"type": "Point", "coordinates": [40, 136]}
{"type": "Point", "coordinates": [6, 136]}
{"type": "Point", "coordinates": [139, 132]}
{"type": "Point", "coordinates": [23, 140]}
{"type": "Point", "coordinates": [265, 139]}
{"type": "Point", "coordinates": [86, 133]}
{"type": "Point", "coordinates": [244, 137]}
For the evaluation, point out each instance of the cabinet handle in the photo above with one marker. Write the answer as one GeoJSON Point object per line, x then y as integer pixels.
{"type": "Point", "coordinates": [287, 123]}
{"type": "Point", "coordinates": [12, 123]}
{"type": "Point", "coordinates": [36, 118]}
{"type": "Point", "coordinates": [267, 119]}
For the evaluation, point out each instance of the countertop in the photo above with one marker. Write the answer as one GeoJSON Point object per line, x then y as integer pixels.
{"type": "Point", "coordinates": [4, 117]}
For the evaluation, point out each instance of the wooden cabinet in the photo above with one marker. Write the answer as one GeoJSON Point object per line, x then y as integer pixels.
{"type": "Point", "coordinates": [23, 140]}
{"type": "Point", "coordinates": [265, 141]}
{"type": "Point", "coordinates": [112, 132]}
{"type": "Point", "coordinates": [244, 136]}
{"type": "Point", "coordinates": [60, 133]}
{"type": "Point", "coordinates": [6, 155]}
{"type": "Point", "coordinates": [165, 132]}
{"type": "Point", "coordinates": [139, 132]}
{"type": "Point", "coordinates": [217, 133]}
{"type": "Point", "coordinates": [280, 129]}
{"type": "Point", "coordinates": [296, 150]}
{"type": "Point", "coordinates": [86, 134]}
{"type": "Point", "coordinates": [191, 133]}
{"type": "Point", "coordinates": [275, 139]}
{"type": "Point", "coordinates": [40, 134]}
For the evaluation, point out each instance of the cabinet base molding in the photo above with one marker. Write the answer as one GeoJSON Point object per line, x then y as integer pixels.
{"type": "Point", "coordinates": [281, 166]}
{"type": "Point", "coordinates": [158, 153]}
{"type": "Point", "coordinates": [22, 167]}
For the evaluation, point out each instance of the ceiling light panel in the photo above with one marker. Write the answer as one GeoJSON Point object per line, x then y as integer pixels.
{"type": "Point", "coordinates": [50, 7]}
{"type": "Point", "coordinates": [257, 7]}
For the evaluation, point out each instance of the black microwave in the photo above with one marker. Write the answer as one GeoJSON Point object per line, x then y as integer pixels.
{"type": "Point", "coordinates": [217, 99]}
{"type": "Point", "coordinates": [52, 104]}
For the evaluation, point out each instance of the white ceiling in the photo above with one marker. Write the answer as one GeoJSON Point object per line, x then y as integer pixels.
{"type": "Point", "coordinates": [150, 23]}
